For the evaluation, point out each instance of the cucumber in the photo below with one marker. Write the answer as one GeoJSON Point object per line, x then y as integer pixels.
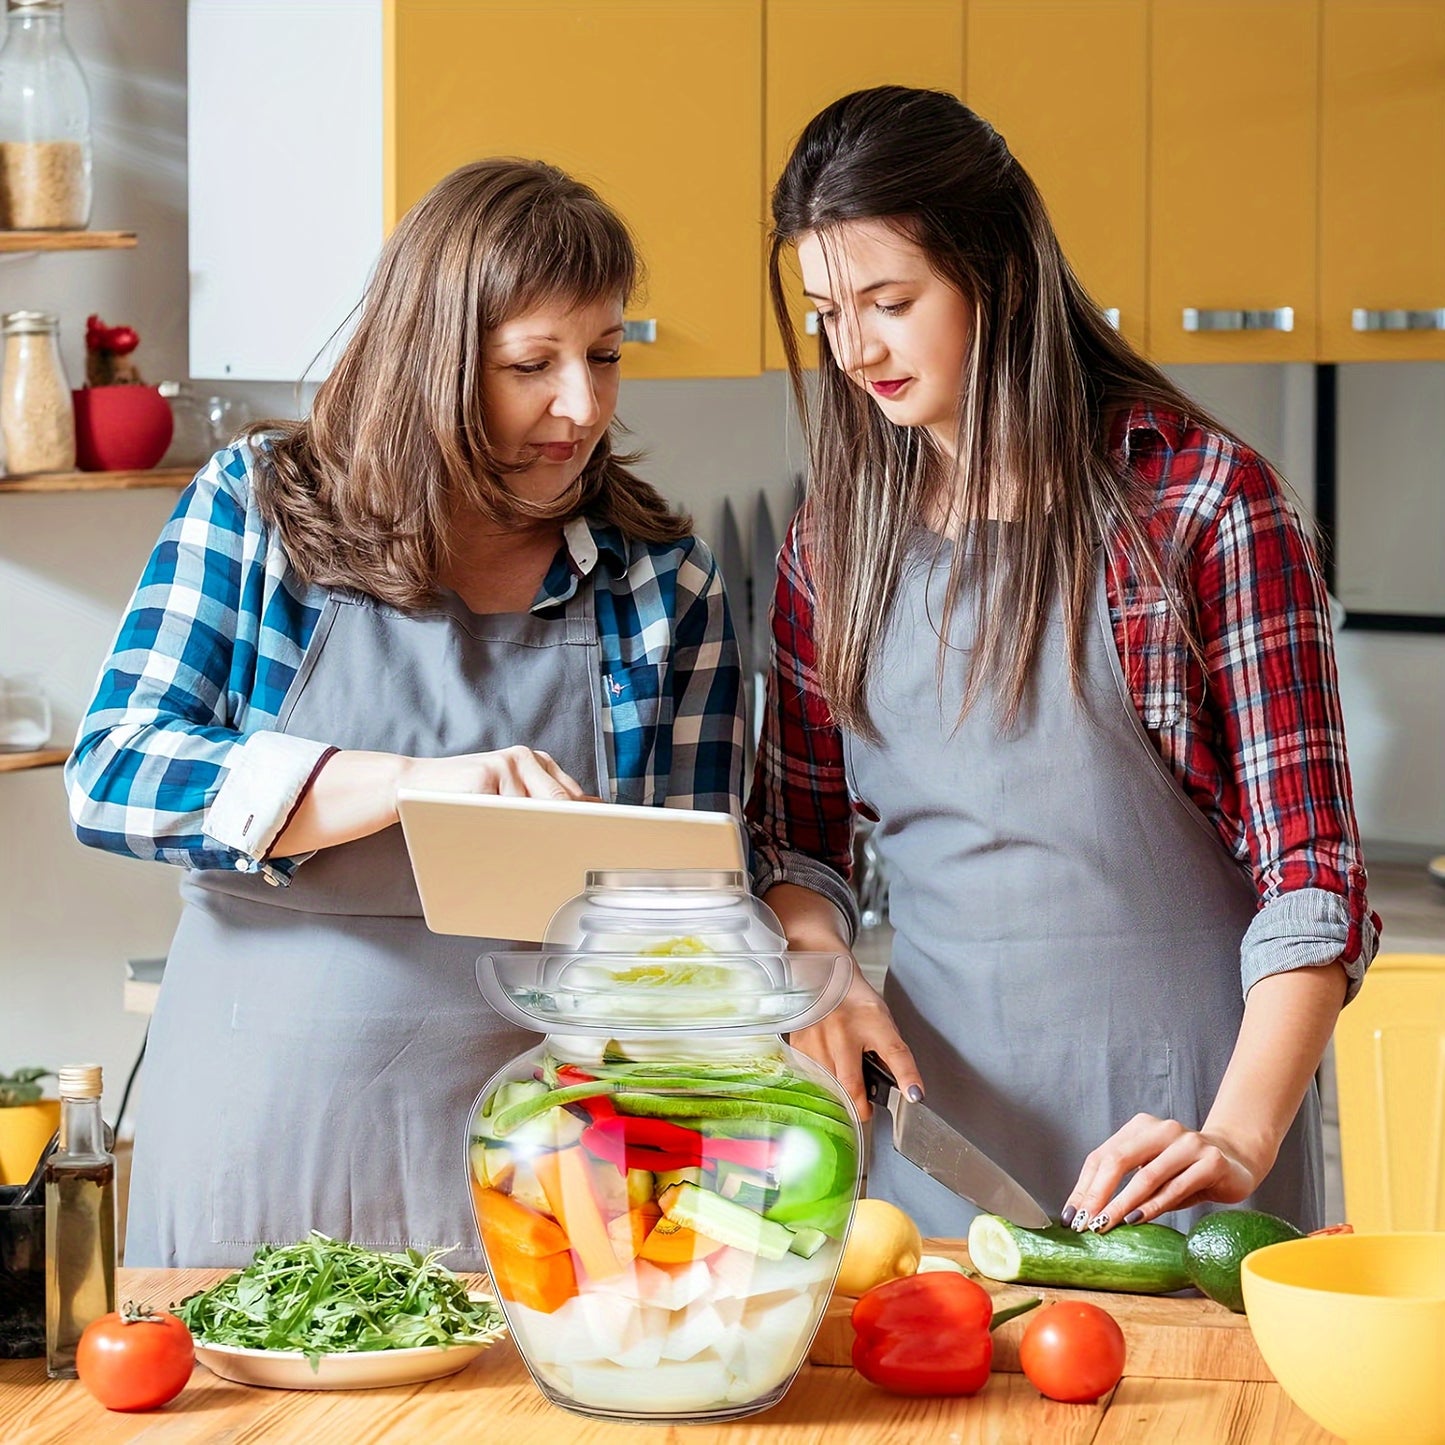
{"type": "Point", "coordinates": [1133, 1258]}
{"type": "Point", "coordinates": [726, 1222]}
{"type": "Point", "coordinates": [807, 1242]}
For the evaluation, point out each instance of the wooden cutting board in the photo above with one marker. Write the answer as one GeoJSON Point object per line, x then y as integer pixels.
{"type": "Point", "coordinates": [1168, 1338]}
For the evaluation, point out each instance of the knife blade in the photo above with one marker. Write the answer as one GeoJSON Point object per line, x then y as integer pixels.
{"type": "Point", "coordinates": [936, 1147]}
{"type": "Point", "coordinates": [733, 563]}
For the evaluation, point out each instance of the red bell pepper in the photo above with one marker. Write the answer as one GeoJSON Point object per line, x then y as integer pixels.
{"type": "Point", "coordinates": [927, 1334]}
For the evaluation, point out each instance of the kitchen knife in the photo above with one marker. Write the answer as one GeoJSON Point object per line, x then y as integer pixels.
{"type": "Point", "coordinates": [733, 563]}
{"type": "Point", "coordinates": [937, 1148]}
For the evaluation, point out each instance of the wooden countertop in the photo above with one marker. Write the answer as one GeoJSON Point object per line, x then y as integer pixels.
{"type": "Point", "coordinates": [494, 1399]}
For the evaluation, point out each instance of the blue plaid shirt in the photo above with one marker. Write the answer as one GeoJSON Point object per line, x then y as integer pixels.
{"type": "Point", "coordinates": [219, 624]}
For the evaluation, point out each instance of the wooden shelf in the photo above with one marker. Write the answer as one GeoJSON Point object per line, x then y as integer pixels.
{"type": "Point", "coordinates": [12, 241]}
{"type": "Point", "coordinates": [173, 477]}
{"type": "Point", "coordinates": [41, 758]}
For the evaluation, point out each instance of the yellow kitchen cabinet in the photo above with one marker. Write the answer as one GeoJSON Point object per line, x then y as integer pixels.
{"type": "Point", "coordinates": [1234, 88]}
{"type": "Point", "coordinates": [818, 50]}
{"type": "Point", "coordinates": [655, 103]}
{"type": "Point", "coordinates": [1066, 83]}
{"type": "Point", "coordinates": [1382, 181]}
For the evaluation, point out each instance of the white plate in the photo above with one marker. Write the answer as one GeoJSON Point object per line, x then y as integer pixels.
{"type": "Point", "coordinates": [357, 1370]}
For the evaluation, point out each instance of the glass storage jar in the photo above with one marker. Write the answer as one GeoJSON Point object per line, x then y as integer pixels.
{"type": "Point", "coordinates": [663, 1186]}
{"type": "Point", "coordinates": [45, 149]}
{"type": "Point", "coordinates": [192, 440]}
{"type": "Point", "coordinates": [37, 416]}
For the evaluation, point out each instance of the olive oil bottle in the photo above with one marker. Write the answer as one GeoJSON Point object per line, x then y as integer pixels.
{"type": "Point", "coordinates": [79, 1221]}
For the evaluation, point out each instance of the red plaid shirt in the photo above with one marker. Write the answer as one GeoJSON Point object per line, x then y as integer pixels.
{"type": "Point", "coordinates": [1255, 736]}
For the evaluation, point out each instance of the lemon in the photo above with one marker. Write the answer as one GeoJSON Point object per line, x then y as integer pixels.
{"type": "Point", "coordinates": [883, 1244]}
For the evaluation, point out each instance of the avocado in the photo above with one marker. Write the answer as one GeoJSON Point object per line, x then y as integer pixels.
{"type": "Point", "coordinates": [1216, 1246]}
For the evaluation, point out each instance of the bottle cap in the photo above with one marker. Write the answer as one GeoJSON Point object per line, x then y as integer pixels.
{"type": "Point", "coordinates": [29, 323]}
{"type": "Point", "coordinates": [80, 1081]}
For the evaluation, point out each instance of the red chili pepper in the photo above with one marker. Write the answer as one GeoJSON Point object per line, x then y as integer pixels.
{"type": "Point", "coordinates": [630, 1142]}
{"type": "Point", "coordinates": [118, 340]}
{"type": "Point", "coordinates": [759, 1154]}
{"type": "Point", "coordinates": [927, 1334]}
{"type": "Point", "coordinates": [597, 1106]}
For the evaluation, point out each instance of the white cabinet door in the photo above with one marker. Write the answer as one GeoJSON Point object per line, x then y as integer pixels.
{"type": "Point", "coordinates": [285, 163]}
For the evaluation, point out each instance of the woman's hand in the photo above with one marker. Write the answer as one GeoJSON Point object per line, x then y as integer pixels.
{"type": "Point", "coordinates": [354, 794]}
{"type": "Point", "coordinates": [861, 1022]}
{"type": "Point", "coordinates": [1287, 1021]}
{"type": "Point", "coordinates": [1172, 1168]}
{"type": "Point", "coordinates": [516, 772]}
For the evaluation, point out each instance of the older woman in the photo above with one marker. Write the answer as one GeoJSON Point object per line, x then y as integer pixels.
{"type": "Point", "coordinates": [443, 578]}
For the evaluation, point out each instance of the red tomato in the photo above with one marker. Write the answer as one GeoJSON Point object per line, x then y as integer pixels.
{"type": "Point", "coordinates": [1072, 1351]}
{"type": "Point", "coordinates": [135, 1360]}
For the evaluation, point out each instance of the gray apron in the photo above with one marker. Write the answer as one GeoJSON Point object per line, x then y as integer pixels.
{"type": "Point", "coordinates": [1068, 923]}
{"type": "Point", "coordinates": [315, 1051]}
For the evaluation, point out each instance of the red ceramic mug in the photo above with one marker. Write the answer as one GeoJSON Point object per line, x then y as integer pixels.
{"type": "Point", "coordinates": [121, 428]}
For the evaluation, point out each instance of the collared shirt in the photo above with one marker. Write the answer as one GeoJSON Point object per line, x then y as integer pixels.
{"type": "Point", "coordinates": [1255, 736]}
{"type": "Point", "coordinates": [178, 757]}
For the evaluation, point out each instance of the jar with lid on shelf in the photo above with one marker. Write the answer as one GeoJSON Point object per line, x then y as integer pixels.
{"type": "Point", "coordinates": [45, 141]}
{"type": "Point", "coordinates": [663, 1187]}
{"type": "Point", "coordinates": [37, 417]}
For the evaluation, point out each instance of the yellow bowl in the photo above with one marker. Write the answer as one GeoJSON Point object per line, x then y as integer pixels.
{"type": "Point", "coordinates": [1353, 1326]}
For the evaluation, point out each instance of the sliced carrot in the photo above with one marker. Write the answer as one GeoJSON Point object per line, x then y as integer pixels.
{"type": "Point", "coordinates": [542, 1283]}
{"type": "Point", "coordinates": [520, 1230]}
{"type": "Point", "coordinates": [671, 1243]}
{"type": "Point", "coordinates": [566, 1179]}
{"type": "Point", "coordinates": [627, 1231]}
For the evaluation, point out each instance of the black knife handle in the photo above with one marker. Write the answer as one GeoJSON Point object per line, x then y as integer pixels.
{"type": "Point", "coordinates": [877, 1078]}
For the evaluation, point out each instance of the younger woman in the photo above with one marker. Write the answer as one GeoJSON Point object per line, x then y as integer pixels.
{"type": "Point", "coordinates": [443, 578]}
{"type": "Point", "coordinates": [1063, 636]}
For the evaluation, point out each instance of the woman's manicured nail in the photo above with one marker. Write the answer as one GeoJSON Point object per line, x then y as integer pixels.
{"type": "Point", "coordinates": [1099, 1223]}
{"type": "Point", "coordinates": [915, 1094]}
{"type": "Point", "coordinates": [1134, 1216]}
{"type": "Point", "coordinates": [1080, 1222]}
{"type": "Point", "coordinates": [1067, 1217]}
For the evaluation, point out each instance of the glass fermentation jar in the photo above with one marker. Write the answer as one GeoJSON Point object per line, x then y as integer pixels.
{"type": "Point", "coordinates": [37, 416]}
{"type": "Point", "coordinates": [663, 1187]}
{"type": "Point", "coordinates": [45, 146]}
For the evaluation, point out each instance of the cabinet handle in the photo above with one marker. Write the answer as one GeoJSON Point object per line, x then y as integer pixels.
{"type": "Point", "coordinates": [810, 323]}
{"type": "Point", "coordinates": [1364, 320]}
{"type": "Point", "coordinates": [1111, 315]}
{"type": "Point", "coordinates": [1281, 318]}
{"type": "Point", "coordinates": [643, 332]}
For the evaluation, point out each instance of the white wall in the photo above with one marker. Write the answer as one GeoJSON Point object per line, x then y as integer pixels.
{"type": "Point", "coordinates": [70, 916]}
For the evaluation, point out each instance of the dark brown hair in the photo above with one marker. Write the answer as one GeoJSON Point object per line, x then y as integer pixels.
{"type": "Point", "coordinates": [364, 490]}
{"type": "Point", "coordinates": [1045, 373]}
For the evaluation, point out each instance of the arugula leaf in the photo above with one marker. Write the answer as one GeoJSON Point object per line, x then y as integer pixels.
{"type": "Point", "coordinates": [322, 1296]}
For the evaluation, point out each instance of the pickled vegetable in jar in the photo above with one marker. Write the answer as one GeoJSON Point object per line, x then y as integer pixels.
{"type": "Point", "coordinates": [663, 1187]}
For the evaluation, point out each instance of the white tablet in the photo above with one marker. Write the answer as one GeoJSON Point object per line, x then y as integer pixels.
{"type": "Point", "coordinates": [490, 867]}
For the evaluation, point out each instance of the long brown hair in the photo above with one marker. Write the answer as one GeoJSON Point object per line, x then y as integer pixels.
{"type": "Point", "coordinates": [364, 490]}
{"type": "Point", "coordinates": [1044, 374]}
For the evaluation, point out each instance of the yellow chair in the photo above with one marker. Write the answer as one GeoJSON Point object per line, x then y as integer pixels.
{"type": "Point", "coordinates": [1390, 1067]}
